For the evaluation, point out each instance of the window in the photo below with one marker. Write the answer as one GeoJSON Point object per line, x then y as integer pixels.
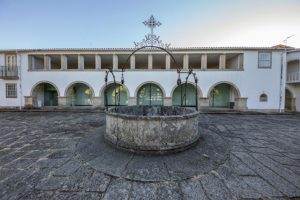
{"type": "Point", "coordinates": [150, 94]}
{"type": "Point", "coordinates": [11, 90]}
{"type": "Point", "coordinates": [11, 62]}
{"type": "Point", "coordinates": [263, 97]}
{"type": "Point", "coordinates": [264, 60]}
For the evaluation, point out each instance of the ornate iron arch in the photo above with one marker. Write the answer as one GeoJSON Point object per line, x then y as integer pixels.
{"type": "Point", "coordinates": [152, 41]}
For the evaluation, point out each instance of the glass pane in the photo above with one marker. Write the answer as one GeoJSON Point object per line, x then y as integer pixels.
{"type": "Point", "coordinates": [150, 94]}
{"type": "Point", "coordinates": [80, 95]}
{"type": "Point", "coordinates": [219, 96]}
{"type": "Point", "coordinates": [116, 94]}
{"type": "Point", "coordinates": [50, 95]}
{"type": "Point", "coordinates": [187, 94]}
{"type": "Point", "coordinates": [264, 56]}
{"type": "Point", "coordinates": [264, 63]}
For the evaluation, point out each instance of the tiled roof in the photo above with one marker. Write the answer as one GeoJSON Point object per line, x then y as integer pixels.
{"type": "Point", "coordinates": [150, 49]}
{"type": "Point", "coordinates": [294, 50]}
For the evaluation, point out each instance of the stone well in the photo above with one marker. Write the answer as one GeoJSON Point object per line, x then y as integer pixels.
{"type": "Point", "coordinates": [154, 129]}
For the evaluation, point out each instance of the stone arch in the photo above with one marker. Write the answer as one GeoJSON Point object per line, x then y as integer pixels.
{"type": "Point", "coordinates": [200, 94]}
{"type": "Point", "coordinates": [123, 101]}
{"type": "Point", "coordinates": [223, 94]}
{"type": "Point", "coordinates": [226, 82]}
{"type": "Point", "coordinates": [151, 96]}
{"type": "Point", "coordinates": [290, 90]}
{"type": "Point", "coordinates": [101, 93]}
{"type": "Point", "coordinates": [44, 93]}
{"type": "Point", "coordinates": [41, 82]}
{"type": "Point", "coordinates": [290, 100]}
{"type": "Point", "coordinates": [75, 82]}
{"type": "Point", "coordinates": [192, 101]}
{"type": "Point", "coordinates": [79, 93]}
{"type": "Point", "coordinates": [147, 82]}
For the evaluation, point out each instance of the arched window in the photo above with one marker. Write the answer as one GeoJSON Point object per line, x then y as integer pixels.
{"type": "Point", "coordinates": [223, 96]}
{"type": "Point", "coordinates": [263, 97]}
{"type": "Point", "coordinates": [79, 94]}
{"type": "Point", "coordinates": [116, 94]}
{"type": "Point", "coordinates": [184, 95]}
{"type": "Point", "coordinates": [150, 94]}
{"type": "Point", "coordinates": [45, 94]}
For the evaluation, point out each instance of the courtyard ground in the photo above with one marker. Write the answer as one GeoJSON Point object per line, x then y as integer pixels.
{"type": "Point", "coordinates": [62, 155]}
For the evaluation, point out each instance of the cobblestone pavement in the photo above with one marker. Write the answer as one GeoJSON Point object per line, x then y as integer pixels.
{"type": "Point", "coordinates": [46, 155]}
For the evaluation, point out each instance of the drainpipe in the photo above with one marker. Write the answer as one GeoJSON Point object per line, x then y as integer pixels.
{"type": "Point", "coordinates": [281, 83]}
{"type": "Point", "coordinates": [20, 79]}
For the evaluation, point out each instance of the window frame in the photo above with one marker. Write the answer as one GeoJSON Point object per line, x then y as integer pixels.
{"type": "Point", "coordinates": [11, 60]}
{"type": "Point", "coordinates": [258, 59]}
{"type": "Point", "coordinates": [8, 93]}
{"type": "Point", "coordinates": [263, 98]}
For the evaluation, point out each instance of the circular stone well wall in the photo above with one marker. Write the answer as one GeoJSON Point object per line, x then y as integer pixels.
{"type": "Point", "coordinates": [151, 128]}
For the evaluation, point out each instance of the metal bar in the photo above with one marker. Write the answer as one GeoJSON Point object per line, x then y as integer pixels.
{"type": "Point", "coordinates": [181, 95]}
{"type": "Point", "coordinates": [115, 85]}
{"type": "Point", "coordinates": [196, 88]}
{"type": "Point", "coordinates": [150, 95]}
{"type": "Point", "coordinates": [105, 91]}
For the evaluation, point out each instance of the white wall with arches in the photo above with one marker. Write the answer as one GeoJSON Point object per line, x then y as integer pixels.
{"type": "Point", "coordinates": [251, 81]}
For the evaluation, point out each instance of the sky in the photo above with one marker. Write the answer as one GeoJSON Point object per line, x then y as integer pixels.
{"type": "Point", "coordinates": [118, 23]}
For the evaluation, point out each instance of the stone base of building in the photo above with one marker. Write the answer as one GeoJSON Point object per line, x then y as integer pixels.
{"type": "Point", "coordinates": [203, 103]}
{"type": "Point", "coordinates": [240, 104]}
{"type": "Point", "coordinates": [28, 102]}
{"type": "Point", "coordinates": [97, 102]}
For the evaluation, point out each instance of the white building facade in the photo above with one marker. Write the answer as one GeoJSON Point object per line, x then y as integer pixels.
{"type": "Point", "coordinates": [230, 78]}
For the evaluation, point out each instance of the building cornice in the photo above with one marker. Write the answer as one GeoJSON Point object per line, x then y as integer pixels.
{"type": "Point", "coordinates": [147, 50]}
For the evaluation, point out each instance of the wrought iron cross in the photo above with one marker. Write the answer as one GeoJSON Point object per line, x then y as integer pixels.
{"type": "Point", "coordinates": [151, 39]}
{"type": "Point", "coordinates": [152, 23]}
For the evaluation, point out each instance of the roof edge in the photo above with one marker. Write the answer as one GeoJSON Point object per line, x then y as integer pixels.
{"type": "Point", "coordinates": [132, 49]}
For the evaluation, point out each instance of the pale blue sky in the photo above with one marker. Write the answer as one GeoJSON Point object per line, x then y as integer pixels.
{"type": "Point", "coordinates": [118, 23]}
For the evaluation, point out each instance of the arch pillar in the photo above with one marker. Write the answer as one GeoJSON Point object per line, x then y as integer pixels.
{"type": "Point", "coordinates": [132, 101]}
{"type": "Point", "coordinates": [293, 104]}
{"type": "Point", "coordinates": [203, 103]}
{"type": "Point", "coordinates": [167, 101]}
{"type": "Point", "coordinates": [240, 103]}
{"type": "Point", "coordinates": [97, 102]}
{"type": "Point", "coordinates": [62, 101]}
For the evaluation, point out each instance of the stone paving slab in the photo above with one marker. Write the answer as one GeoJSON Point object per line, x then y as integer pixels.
{"type": "Point", "coordinates": [62, 155]}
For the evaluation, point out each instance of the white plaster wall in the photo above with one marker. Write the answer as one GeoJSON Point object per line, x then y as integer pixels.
{"type": "Point", "coordinates": [256, 80]}
{"type": "Point", "coordinates": [9, 102]}
{"type": "Point", "coordinates": [251, 82]}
